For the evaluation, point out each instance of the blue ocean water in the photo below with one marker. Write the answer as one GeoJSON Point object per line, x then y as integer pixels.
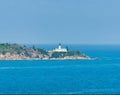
{"type": "Point", "coordinates": [64, 77]}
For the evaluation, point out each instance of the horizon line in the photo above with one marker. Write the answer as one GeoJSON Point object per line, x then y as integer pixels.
{"type": "Point", "coordinates": [55, 43]}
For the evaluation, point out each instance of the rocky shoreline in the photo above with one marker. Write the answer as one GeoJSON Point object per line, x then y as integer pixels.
{"type": "Point", "coordinates": [19, 57]}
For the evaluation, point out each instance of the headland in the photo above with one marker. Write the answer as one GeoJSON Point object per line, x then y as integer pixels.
{"type": "Point", "coordinates": [22, 52]}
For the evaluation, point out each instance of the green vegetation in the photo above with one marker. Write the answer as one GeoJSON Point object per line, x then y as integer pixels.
{"type": "Point", "coordinates": [63, 54]}
{"type": "Point", "coordinates": [42, 51]}
{"type": "Point", "coordinates": [10, 48]}
{"type": "Point", "coordinates": [74, 53]}
{"type": "Point", "coordinates": [16, 49]}
{"type": "Point", "coordinates": [58, 55]}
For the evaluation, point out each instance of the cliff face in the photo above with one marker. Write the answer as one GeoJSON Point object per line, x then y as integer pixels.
{"type": "Point", "coordinates": [17, 52]}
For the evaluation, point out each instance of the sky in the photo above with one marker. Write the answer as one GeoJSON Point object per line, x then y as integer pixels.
{"type": "Point", "coordinates": [64, 21]}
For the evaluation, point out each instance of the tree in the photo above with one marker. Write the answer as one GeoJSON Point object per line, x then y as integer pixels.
{"type": "Point", "coordinates": [67, 48]}
{"type": "Point", "coordinates": [33, 47]}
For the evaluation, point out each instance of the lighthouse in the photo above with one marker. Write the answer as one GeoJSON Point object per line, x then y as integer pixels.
{"type": "Point", "coordinates": [59, 47]}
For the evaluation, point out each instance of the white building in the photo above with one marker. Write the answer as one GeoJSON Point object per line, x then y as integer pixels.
{"type": "Point", "coordinates": [59, 49]}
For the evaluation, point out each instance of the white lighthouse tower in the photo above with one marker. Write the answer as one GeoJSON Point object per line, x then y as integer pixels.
{"type": "Point", "coordinates": [59, 49]}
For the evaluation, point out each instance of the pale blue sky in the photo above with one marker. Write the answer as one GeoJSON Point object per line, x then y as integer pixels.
{"type": "Point", "coordinates": [65, 21]}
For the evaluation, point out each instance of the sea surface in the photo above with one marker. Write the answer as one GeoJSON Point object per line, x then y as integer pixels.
{"type": "Point", "coordinates": [65, 77]}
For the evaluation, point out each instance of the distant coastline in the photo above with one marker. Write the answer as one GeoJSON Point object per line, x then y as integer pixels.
{"type": "Point", "coordinates": [22, 52]}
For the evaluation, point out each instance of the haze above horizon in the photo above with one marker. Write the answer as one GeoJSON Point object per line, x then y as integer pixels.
{"type": "Point", "coordinates": [65, 21]}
